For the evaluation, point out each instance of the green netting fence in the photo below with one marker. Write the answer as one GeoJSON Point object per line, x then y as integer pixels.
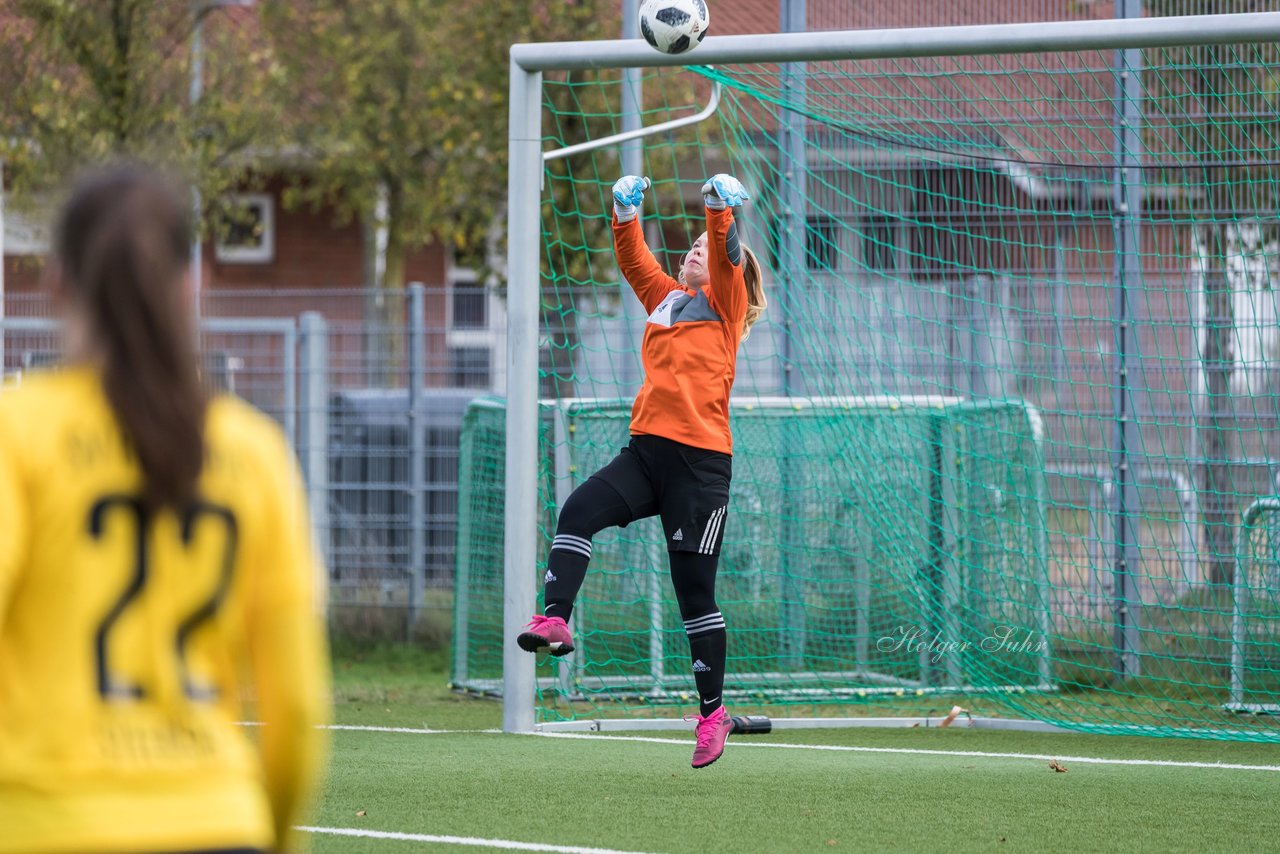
{"type": "Point", "coordinates": [1007, 433]}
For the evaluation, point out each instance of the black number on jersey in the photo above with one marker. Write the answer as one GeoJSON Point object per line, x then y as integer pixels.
{"type": "Point", "coordinates": [109, 687]}
{"type": "Point", "coordinates": [213, 512]}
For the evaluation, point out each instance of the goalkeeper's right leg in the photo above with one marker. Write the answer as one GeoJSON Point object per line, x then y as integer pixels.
{"type": "Point", "coordinates": [616, 495]}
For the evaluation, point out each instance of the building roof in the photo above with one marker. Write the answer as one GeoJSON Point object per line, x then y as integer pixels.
{"type": "Point", "coordinates": [762, 16]}
{"type": "Point", "coordinates": [1052, 110]}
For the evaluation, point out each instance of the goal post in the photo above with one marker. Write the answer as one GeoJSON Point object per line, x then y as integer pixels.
{"type": "Point", "coordinates": [967, 339]}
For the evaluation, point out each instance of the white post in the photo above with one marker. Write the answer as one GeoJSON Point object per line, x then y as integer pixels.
{"type": "Point", "coordinates": [901, 43]}
{"type": "Point", "coordinates": [793, 172]}
{"type": "Point", "coordinates": [313, 427]}
{"type": "Point", "coordinates": [1238, 589]}
{"type": "Point", "coordinates": [1126, 442]}
{"type": "Point", "coordinates": [951, 562]}
{"type": "Point", "coordinates": [633, 311]}
{"type": "Point", "coordinates": [417, 474]}
{"type": "Point", "coordinates": [632, 164]}
{"type": "Point", "coordinates": [562, 472]}
{"type": "Point", "coordinates": [523, 284]}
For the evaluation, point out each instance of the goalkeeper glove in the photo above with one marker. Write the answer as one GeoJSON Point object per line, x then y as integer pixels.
{"type": "Point", "coordinates": [628, 193]}
{"type": "Point", "coordinates": [721, 190]}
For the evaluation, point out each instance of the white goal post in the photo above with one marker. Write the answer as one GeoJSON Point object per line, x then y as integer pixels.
{"type": "Point", "coordinates": [526, 159]}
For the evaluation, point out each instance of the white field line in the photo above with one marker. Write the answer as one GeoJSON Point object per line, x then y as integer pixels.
{"type": "Point", "coordinates": [475, 842]}
{"type": "Point", "coordinates": [401, 729]}
{"type": "Point", "coordinates": [410, 730]}
{"type": "Point", "coordinates": [1089, 760]}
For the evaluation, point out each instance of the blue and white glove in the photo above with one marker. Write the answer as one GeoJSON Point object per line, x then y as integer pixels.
{"type": "Point", "coordinates": [628, 193]}
{"type": "Point", "coordinates": [721, 190]}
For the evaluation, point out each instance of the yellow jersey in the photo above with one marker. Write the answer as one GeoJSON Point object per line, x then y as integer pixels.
{"type": "Point", "coordinates": [133, 645]}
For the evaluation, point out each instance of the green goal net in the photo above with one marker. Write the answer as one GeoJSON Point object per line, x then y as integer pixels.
{"type": "Point", "coordinates": [998, 431]}
{"type": "Point", "coordinates": [868, 530]}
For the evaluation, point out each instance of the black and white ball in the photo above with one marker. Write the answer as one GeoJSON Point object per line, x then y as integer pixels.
{"type": "Point", "coordinates": [674, 26]}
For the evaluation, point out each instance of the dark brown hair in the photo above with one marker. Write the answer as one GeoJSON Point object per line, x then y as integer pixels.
{"type": "Point", "coordinates": [121, 242]}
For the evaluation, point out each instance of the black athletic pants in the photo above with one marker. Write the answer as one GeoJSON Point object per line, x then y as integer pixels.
{"type": "Point", "coordinates": [689, 489]}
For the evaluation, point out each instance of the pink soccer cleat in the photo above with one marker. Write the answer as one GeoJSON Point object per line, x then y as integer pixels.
{"type": "Point", "coordinates": [546, 634]}
{"type": "Point", "coordinates": [712, 731]}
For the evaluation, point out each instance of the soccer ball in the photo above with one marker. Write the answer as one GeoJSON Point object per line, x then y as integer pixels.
{"type": "Point", "coordinates": [674, 26]}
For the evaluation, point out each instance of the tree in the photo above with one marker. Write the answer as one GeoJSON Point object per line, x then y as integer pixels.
{"type": "Point", "coordinates": [400, 110]}
{"type": "Point", "coordinates": [1227, 148]}
{"type": "Point", "coordinates": [86, 82]}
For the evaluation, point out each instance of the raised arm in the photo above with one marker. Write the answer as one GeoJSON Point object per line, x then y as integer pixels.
{"type": "Point", "coordinates": [722, 193]}
{"type": "Point", "coordinates": [637, 263]}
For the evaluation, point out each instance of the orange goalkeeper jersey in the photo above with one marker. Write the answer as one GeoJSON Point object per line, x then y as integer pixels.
{"type": "Point", "coordinates": [690, 350]}
{"type": "Point", "coordinates": [130, 641]}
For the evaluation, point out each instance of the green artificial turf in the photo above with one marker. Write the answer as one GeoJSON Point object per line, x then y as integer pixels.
{"type": "Point", "coordinates": [629, 794]}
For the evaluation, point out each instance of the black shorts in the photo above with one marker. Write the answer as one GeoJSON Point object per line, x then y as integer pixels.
{"type": "Point", "coordinates": [688, 487]}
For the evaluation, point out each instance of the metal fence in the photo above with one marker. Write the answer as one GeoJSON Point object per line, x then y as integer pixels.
{"type": "Point", "coordinates": [373, 406]}
{"type": "Point", "coordinates": [381, 461]}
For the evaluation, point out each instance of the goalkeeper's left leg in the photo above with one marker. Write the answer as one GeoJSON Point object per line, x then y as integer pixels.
{"type": "Point", "coordinates": [695, 578]}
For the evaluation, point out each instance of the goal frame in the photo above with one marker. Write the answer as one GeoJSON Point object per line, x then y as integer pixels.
{"type": "Point", "coordinates": [1239, 597]}
{"type": "Point", "coordinates": [524, 191]}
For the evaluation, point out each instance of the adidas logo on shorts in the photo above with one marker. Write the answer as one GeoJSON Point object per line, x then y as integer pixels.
{"type": "Point", "coordinates": [548, 578]}
{"type": "Point", "coordinates": [699, 667]}
{"type": "Point", "coordinates": [678, 536]}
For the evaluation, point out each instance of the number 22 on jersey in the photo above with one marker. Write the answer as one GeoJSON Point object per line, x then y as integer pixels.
{"type": "Point", "coordinates": [171, 623]}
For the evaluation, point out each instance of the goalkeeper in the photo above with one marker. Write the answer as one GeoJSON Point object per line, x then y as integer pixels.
{"type": "Point", "coordinates": [678, 464]}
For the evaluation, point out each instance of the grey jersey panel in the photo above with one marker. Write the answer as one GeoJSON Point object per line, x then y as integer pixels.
{"type": "Point", "coordinates": [694, 309]}
{"type": "Point", "coordinates": [679, 307]}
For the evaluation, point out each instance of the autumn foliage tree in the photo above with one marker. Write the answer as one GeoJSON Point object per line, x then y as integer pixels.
{"type": "Point", "coordinates": [87, 82]}
{"type": "Point", "coordinates": [400, 110]}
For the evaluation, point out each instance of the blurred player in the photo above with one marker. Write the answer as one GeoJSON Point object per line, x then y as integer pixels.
{"type": "Point", "coordinates": [156, 569]}
{"type": "Point", "coordinates": [678, 463]}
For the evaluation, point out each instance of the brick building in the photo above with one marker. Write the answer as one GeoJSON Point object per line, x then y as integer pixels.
{"type": "Point", "coordinates": [306, 259]}
{"type": "Point", "coordinates": [278, 262]}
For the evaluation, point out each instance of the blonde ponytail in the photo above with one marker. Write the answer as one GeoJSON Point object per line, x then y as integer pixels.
{"type": "Point", "coordinates": [756, 302]}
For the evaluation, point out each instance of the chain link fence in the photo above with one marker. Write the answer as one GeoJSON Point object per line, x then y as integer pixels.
{"type": "Point", "coordinates": [371, 392]}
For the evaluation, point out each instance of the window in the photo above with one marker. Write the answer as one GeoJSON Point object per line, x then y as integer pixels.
{"type": "Point", "coordinates": [947, 213]}
{"type": "Point", "coordinates": [26, 230]}
{"type": "Point", "coordinates": [474, 318]}
{"type": "Point", "coordinates": [247, 234]}
{"type": "Point", "coordinates": [879, 244]}
{"type": "Point", "coordinates": [468, 293]}
{"type": "Point", "coordinates": [470, 308]}
{"type": "Point", "coordinates": [820, 243]}
{"type": "Point", "coordinates": [471, 367]}
{"type": "Point", "coordinates": [33, 359]}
